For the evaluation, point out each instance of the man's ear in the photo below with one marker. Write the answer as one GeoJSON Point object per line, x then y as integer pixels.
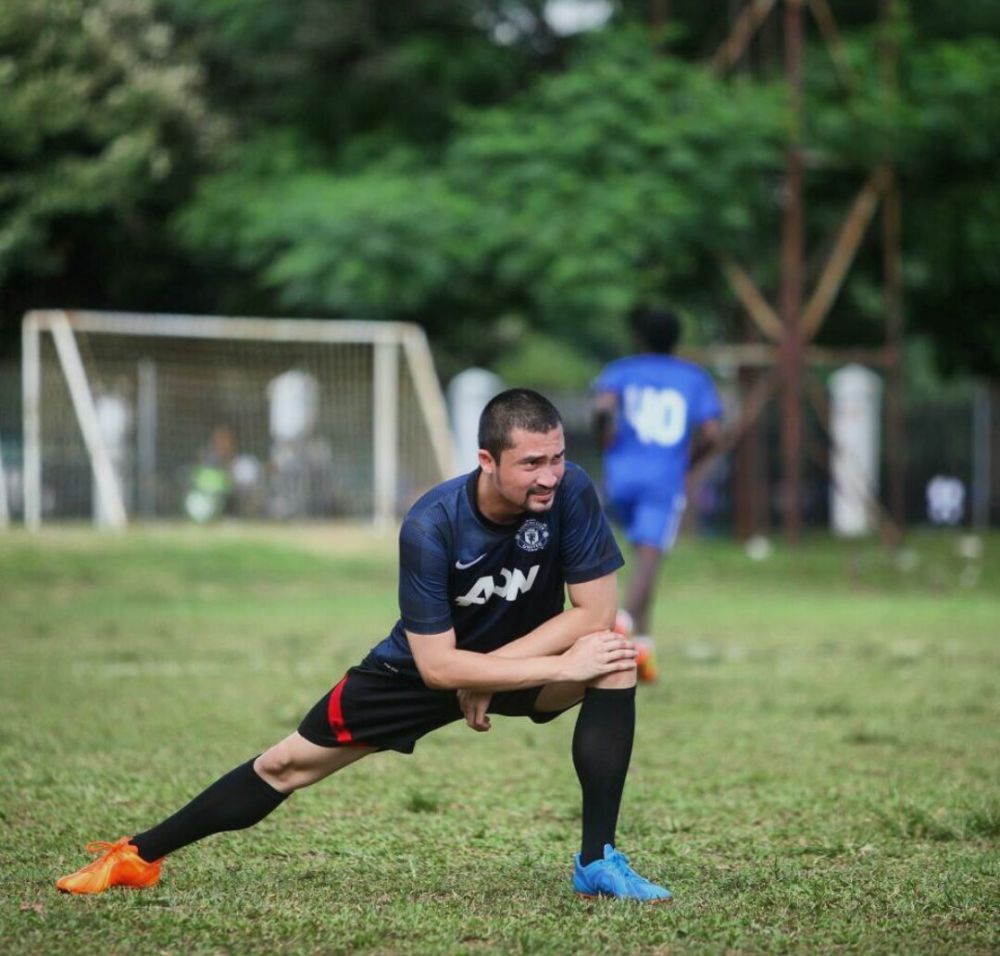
{"type": "Point", "coordinates": [486, 461]}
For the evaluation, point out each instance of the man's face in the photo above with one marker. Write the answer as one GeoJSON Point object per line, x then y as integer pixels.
{"type": "Point", "coordinates": [527, 475]}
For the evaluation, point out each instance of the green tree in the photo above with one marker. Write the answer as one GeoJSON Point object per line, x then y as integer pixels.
{"type": "Point", "coordinates": [459, 164]}
{"type": "Point", "coordinates": [102, 126]}
{"type": "Point", "coordinates": [357, 77]}
{"type": "Point", "coordinates": [611, 179]}
{"type": "Point", "coordinates": [940, 128]}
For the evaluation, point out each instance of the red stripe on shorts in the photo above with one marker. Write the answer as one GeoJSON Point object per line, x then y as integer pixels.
{"type": "Point", "coordinates": [336, 715]}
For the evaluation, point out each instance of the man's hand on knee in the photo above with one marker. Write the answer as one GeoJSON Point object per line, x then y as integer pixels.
{"type": "Point", "coordinates": [597, 654]}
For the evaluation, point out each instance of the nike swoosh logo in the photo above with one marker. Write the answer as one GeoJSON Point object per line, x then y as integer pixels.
{"type": "Point", "coordinates": [469, 564]}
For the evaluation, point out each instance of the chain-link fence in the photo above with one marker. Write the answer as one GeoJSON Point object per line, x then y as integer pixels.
{"type": "Point", "coordinates": [955, 437]}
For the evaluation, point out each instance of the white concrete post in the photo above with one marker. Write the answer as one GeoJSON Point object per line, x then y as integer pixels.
{"type": "Point", "coordinates": [4, 508]}
{"type": "Point", "coordinates": [855, 428]}
{"type": "Point", "coordinates": [468, 393]}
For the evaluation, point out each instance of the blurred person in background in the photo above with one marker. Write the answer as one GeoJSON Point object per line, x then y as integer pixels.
{"type": "Point", "coordinates": [656, 416]}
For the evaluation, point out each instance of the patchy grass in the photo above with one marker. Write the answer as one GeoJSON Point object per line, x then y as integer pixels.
{"type": "Point", "coordinates": [816, 772]}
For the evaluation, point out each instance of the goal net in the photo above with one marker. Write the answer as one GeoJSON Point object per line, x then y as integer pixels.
{"type": "Point", "coordinates": [163, 416]}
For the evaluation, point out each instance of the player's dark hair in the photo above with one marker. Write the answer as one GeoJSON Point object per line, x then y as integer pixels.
{"type": "Point", "coordinates": [659, 330]}
{"type": "Point", "coordinates": [515, 408]}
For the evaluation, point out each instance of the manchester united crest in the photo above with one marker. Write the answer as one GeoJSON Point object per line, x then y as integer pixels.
{"type": "Point", "coordinates": [532, 535]}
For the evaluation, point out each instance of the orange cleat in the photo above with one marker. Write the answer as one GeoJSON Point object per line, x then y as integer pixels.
{"type": "Point", "coordinates": [118, 865]}
{"type": "Point", "coordinates": [646, 671]}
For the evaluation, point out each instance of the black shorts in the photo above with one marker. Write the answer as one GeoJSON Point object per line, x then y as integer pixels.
{"type": "Point", "coordinates": [374, 708]}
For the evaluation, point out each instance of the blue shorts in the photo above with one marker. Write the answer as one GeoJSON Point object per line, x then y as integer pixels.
{"type": "Point", "coordinates": [648, 518]}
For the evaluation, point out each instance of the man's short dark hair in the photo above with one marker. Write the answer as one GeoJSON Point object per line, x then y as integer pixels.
{"type": "Point", "coordinates": [515, 408]}
{"type": "Point", "coordinates": [657, 329]}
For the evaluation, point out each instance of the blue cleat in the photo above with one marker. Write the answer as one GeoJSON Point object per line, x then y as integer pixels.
{"type": "Point", "coordinates": [613, 877]}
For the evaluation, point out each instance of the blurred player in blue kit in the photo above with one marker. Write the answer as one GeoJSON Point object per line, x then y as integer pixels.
{"type": "Point", "coordinates": [485, 562]}
{"type": "Point", "coordinates": [656, 416]}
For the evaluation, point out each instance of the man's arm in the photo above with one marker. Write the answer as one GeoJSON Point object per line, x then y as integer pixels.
{"type": "Point", "coordinates": [604, 418]}
{"type": "Point", "coordinates": [705, 442]}
{"type": "Point", "coordinates": [444, 667]}
{"type": "Point", "coordinates": [594, 604]}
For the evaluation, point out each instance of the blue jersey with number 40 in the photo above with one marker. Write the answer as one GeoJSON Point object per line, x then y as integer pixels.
{"type": "Point", "coordinates": [661, 402]}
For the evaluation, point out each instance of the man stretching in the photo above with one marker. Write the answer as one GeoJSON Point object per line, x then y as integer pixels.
{"type": "Point", "coordinates": [484, 561]}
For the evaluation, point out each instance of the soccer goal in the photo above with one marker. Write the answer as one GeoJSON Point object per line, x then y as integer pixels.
{"type": "Point", "coordinates": [168, 416]}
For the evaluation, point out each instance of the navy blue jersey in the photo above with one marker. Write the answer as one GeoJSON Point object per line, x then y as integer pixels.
{"type": "Point", "coordinates": [492, 583]}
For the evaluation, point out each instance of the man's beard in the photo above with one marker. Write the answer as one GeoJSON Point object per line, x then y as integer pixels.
{"type": "Point", "coordinates": [534, 493]}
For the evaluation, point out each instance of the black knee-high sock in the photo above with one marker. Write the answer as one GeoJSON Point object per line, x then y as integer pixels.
{"type": "Point", "coordinates": [234, 802]}
{"type": "Point", "coordinates": [602, 748]}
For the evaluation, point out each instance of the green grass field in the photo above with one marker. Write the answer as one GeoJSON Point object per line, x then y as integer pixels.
{"type": "Point", "coordinates": [817, 771]}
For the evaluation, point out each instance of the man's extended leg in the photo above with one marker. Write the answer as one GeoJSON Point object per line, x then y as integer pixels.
{"type": "Point", "coordinates": [244, 796]}
{"type": "Point", "coordinates": [240, 799]}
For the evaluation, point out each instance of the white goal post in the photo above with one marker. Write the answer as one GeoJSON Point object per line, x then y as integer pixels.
{"type": "Point", "coordinates": [165, 416]}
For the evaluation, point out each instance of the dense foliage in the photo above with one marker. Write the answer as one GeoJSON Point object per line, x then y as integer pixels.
{"type": "Point", "coordinates": [463, 165]}
{"type": "Point", "coordinates": [104, 124]}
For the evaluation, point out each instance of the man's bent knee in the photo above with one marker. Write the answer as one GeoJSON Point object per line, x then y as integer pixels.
{"type": "Point", "coordinates": [619, 680]}
{"type": "Point", "coordinates": [277, 765]}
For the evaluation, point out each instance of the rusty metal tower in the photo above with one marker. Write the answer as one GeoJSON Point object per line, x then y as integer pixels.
{"type": "Point", "coordinates": [792, 326]}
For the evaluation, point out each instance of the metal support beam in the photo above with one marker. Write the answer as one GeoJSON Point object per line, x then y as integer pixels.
{"type": "Point", "coordinates": [749, 493]}
{"type": "Point", "coordinates": [845, 248]}
{"type": "Point", "coordinates": [753, 15]}
{"type": "Point", "coordinates": [892, 277]}
{"type": "Point", "coordinates": [753, 405]}
{"type": "Point", "coordinates": [659, 14]}
{"type": "Point", "coordinates": [761, 355]}
{"type": "Point", "coordinates": [758, 308]}
{"type": "Point", "coordinates": [824, 18]}
{"type": "Point", "coordinates": [792, 352]}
